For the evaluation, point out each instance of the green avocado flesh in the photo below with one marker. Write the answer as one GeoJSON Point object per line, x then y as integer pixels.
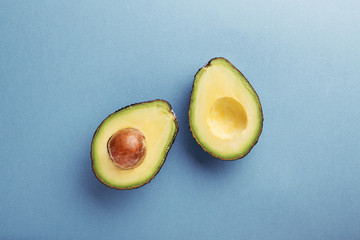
{"type": "Point", "coordinates": [159, 125]}
{"type": "Point", "coordinates": [225, 114]}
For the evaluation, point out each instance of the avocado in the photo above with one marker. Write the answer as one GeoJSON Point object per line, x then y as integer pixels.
{"type": "Point", "coordinates": [130, 146]}
{"type": "Point", "coordinates": [225, 114]}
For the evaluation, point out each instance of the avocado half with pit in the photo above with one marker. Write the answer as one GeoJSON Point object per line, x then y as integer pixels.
{"type": "Point", "coordinates": [225, 113]}
{"type": "Point", "coordinates": [130, 146]}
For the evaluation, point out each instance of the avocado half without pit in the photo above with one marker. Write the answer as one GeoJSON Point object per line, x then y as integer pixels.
{"type": "Point", "coordinates": [130, 146]}
{"type": "Point", "coordinates": [225, 113]}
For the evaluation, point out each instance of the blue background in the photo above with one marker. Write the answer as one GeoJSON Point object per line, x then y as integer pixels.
{"type": "Point", "coordinates": [66, 65]}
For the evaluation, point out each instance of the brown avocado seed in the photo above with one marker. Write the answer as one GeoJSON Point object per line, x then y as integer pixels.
{"type": "Point", "coordinates": [127, 148]}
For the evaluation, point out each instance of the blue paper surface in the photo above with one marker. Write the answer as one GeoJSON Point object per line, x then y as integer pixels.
{"type": "Point", "coordinates": [66, 65]}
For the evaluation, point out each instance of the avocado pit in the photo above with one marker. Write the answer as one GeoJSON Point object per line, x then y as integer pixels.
{"type": "Point", "coordinates": [127, 148]}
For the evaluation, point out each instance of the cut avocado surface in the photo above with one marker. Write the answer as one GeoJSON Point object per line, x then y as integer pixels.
{"type": "Point", "coordinates": [130, 146]}
{"type": "Point", "coordinates": [225, 113]}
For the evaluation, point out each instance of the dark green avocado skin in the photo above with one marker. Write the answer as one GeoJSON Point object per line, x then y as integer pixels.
{"type": "Point", "coordinates": [166, 153]}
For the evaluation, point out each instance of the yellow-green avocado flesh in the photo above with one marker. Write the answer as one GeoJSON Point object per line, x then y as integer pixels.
{"type": "Point", "coordinates": [157, 121]}
{"type": "Point", "coordinates": [225, 113]}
